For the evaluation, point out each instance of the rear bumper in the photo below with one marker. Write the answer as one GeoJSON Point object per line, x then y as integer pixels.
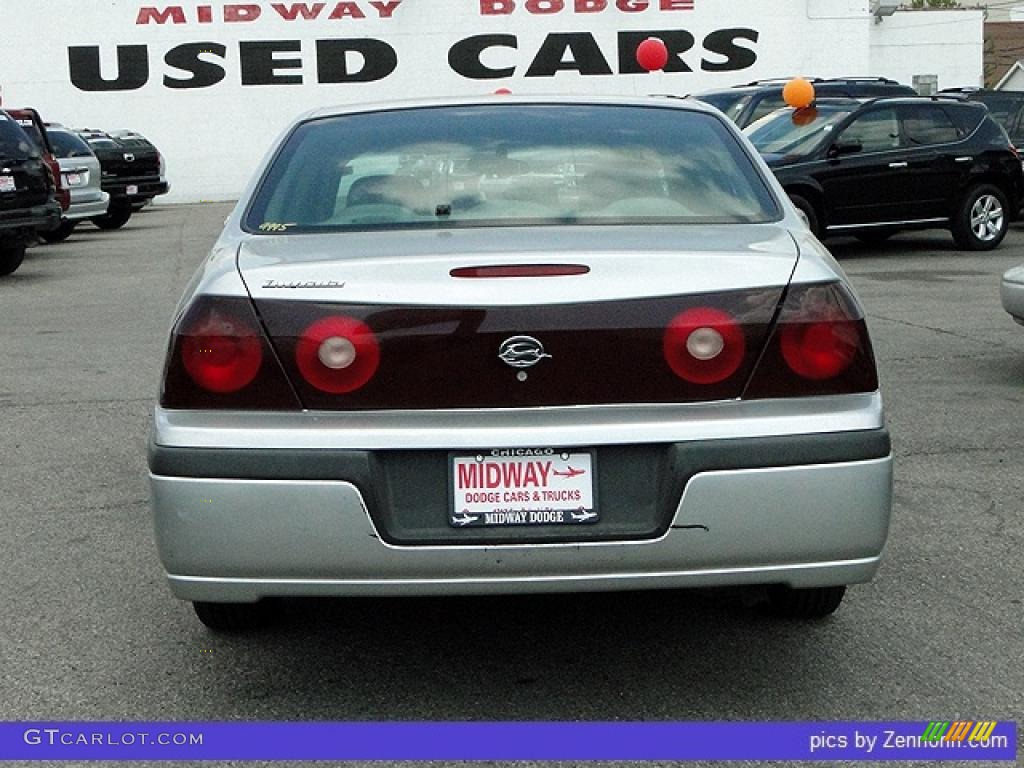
{"type": "Point", "coordinates": [92, 205]}
{"type": "Point", "coordinates": [239, 540]}
{"type": "Point", "coordinates": [237, 524]}
{"type": "Point", "coordinates": [120, 191]}
{"type": "Point", "coordinates": [38, 217]}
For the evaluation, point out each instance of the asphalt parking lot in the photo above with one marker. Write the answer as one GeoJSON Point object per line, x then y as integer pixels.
{"type": "Point", "coordinates": [91, 632]}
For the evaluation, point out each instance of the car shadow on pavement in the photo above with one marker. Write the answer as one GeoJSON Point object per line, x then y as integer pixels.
{"type": "Point", "coordinates": [615, 656]}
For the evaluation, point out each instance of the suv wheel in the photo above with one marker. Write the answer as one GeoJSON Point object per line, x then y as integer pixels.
{"type": "Point", "coordinates": [981, 222]}
{"type": "Point", "coordinates": [11, 256]}
{"type": "Point", "coordinates": [813, 603]}
{"type": "Point", "coordinates": [115, 218]}
{"type": "Point", "coordinates": [806, 207]}
{"type": "Point", "coordinates": [61, 233]}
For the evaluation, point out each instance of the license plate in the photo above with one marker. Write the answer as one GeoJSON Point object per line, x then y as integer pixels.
{"type": "Point", "coordinates": [7, 184]}
{"type": "Point", "coordinates": [132, 189]}
{"type": "Point", "coordinates": [73, 179]}
{"type": "Point", "coordinates": [510, 487]}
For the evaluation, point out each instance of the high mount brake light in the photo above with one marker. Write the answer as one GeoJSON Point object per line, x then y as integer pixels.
{"type": "Point", "coordinates": [522, 270]}
{"type": "Point", "coordinates": [703, 345]}
{"type": "Point", "coordinates": [820, 346]}
{"type": "Point", "coordinates": [337, 354]}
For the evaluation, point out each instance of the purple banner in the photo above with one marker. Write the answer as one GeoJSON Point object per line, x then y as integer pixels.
{"type": "Point", "coordinates": [499, 741]}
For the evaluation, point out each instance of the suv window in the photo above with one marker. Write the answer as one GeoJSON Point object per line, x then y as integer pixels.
{"type": "Point", "coordinates": [877, 130]}
{"type": "Point", "coordinates": [14, 144]}
{"type": "Point", "coordinates": [928, 124]}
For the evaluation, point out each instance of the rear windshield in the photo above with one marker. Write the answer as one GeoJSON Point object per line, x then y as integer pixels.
{"type": "Point", "coordinates": [14, 144]}
{"type": "Point", "coordinates": [67, 144]}
{"type": "Point", "coordinates": [509, 165]}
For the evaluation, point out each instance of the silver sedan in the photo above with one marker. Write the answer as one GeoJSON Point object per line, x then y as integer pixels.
{"type": "Point", "coordinates": [81, 174]}
{"type": "Point", "coordinates": [517, 345]}
{"type": "Point", "coordinates": [1012, 292]}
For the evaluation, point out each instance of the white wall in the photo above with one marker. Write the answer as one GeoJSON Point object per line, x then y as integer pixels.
{"type": "Point", "coordinates": [212, 136]}
{"type": "Point", "coordinates": [948, 44]}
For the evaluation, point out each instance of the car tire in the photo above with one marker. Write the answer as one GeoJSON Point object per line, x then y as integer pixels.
{"type": "Point", "coordinates": [812, 603]}
{"type": "Point", "coordinates": [233, 617]}
{"type": "Point", "coordinates": [60, 234]}
{"type": "Point", "coordinates": [11, 256]}
{"type": "Point", "coordinates": [875, 236]}
{"type": "Point", "coordinates": [806, 207]}
{"type": "Point", "coordinates": [115, 218]}
{"type": "Point", "coordinates": [982, 220]}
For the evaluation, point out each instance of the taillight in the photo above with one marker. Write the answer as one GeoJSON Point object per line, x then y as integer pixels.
{"type": "Point", "coordinates": [221, 352]}
{"type": "Point", "coordinates": [219, 358]}
{"type": "Point", "coordinates": [704, 345]}
{"type": "Point", "coordinates": [820, 346]}
{"type": "Point", "coordinates": [337, 354]}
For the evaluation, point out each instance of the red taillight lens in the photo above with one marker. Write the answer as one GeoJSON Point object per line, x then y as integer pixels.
{"type": "Point", "coordinates": [220, 359]}
{"type": "Point", "coordinates": [337, 354]}
{"type": "Point", "coordinates": [703, 345]}
{"type": "Point", "coordinates": [819, 350]}
{"type": "Point", "coordinates": [820, 347]}
{"type": "Point", "coordinates": [221, 352]}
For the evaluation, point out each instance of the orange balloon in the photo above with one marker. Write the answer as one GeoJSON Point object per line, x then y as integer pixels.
{"type": "Point", "coordinates": [798, 93]}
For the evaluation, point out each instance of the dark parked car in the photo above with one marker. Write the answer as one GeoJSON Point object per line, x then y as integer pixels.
{"type": "Point", "coordinates": [133, 173]}
{"type": "Point", "coordinates": [874, 168]}
{"type": "Point", "coordinates": [34, 127]}
{"type": "Point", "coordinates": [744, 104]}
{"type": "Point", "coordinates": [27, 204]}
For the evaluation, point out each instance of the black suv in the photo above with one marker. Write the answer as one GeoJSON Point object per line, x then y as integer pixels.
{"type": "Point", "coordinates": [27, 203]}
{"type": "Point", "coordinates": [873, 168]}
{"type": "Point", "coordinates": [132, 173]}
{"type": "Point", "coordinates": [1006, 108]}
{"type": "Point", "coordinates": [743, 104]}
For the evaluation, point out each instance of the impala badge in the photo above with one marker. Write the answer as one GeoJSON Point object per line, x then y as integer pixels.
{"type": "Point", "coordinates": [522, 351]}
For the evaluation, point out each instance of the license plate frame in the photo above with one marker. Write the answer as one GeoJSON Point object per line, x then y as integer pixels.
{"type": "Point", "coordinates": [556, 477]}
{"type": "Point", "coordinates": [131, 189]}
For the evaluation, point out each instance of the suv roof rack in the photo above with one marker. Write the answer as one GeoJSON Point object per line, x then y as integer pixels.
{"type": "Point", "coordinates": [776, 80]}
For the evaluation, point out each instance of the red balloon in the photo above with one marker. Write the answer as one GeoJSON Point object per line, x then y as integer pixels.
{"type": "Point", "coordinates": [652, 54]}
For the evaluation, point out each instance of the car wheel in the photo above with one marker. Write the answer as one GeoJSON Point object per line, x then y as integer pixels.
{"type": "Point", "coordinates": [813, 603]}
{"type": "Point", "coordinates": [982, 220]}
{"type": "Point", "coordinates": [115, 218]}
{"type": "Point", "coordinates": [233, 617]}
{"type": "Point", "coordinates": [11, 256]}
{"type": "Point", "coordinates": [60, 234]}
{"type": "Point", "coordinates": [875, 236]}
{"type": "Point", "coordinates": [809, 211]}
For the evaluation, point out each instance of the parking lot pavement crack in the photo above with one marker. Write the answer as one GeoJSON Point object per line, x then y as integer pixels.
{"type": "Point", "coordinates": [954, 451]}
{"type": "Point", "coordinates": [989, 342]}
{"type": "Point", "coordinates": [95, 401]}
